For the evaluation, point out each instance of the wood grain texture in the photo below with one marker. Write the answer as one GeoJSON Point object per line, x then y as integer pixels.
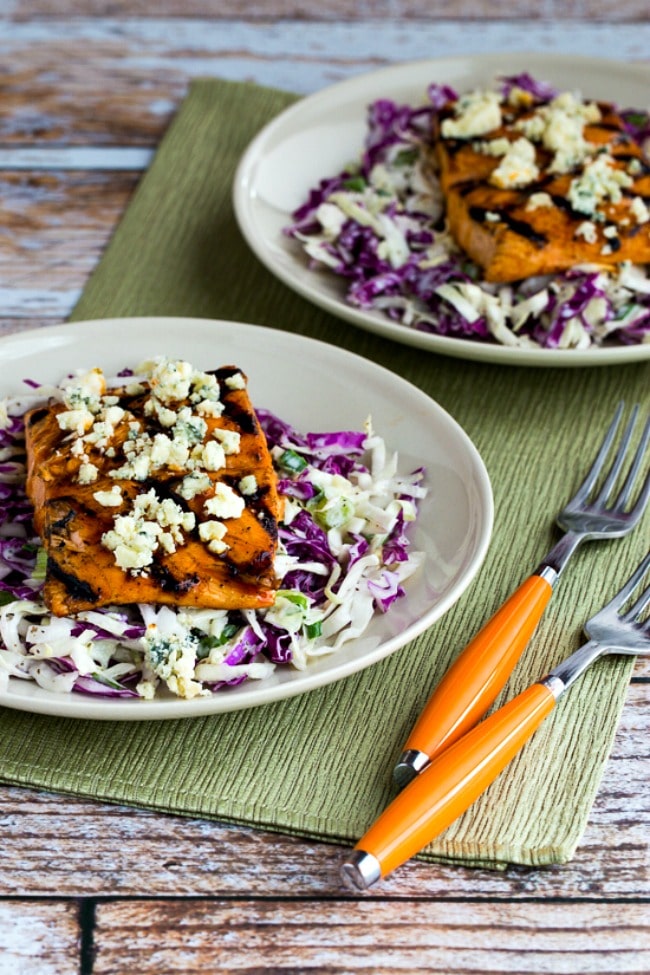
{"type": "Point", "coordinates": [336, 10]}
{"type": "Point", "coordinates": [40, 938]}
{"type": "Point", "coordinates": [53, 229]}
{"type": "Point", "coordinates": [81, 848]}
{"type": "Point", "coordinates": [371, 936]}
{"type": "Point", "coordinates": [71, 80]}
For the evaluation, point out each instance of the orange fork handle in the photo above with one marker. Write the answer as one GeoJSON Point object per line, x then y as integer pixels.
{"type": "Point", "coordinates": [473, 682]}
{"type": "Point", "coordinates": [454, 780]}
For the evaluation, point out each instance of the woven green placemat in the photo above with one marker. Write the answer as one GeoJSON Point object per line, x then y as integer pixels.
{"type": "Point", "coordinates": [319, 765]}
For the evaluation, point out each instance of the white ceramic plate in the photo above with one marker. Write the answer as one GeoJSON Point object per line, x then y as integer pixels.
{"type": "Point", "coordinates": [322, 133]}
{"type": "Point", "coordinates": [315, 387]}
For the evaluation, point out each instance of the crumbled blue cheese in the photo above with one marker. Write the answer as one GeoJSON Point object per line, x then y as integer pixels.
{"type": "Point", "coordinates": [103, 428]}
{"type": "Point", "coordinates": [171, 657]}
{"type": "Point", "coordinates": [236, 381]}
{"type": "Point", "coordinates": [175, 381]}
{"type": "Point", "coordinates": [170, 380]}
{"type": "Point", "coordinates": [209, 407]}
{"type": "Point", "coordinates": [248, 484]}
{"type": "Point", "coordinates": [538, 200]}
{"type": "Point", "coordinates": [230, 440]}
{"type": "Point", "coordinates": [517, 168]}
{"type": "Point", "coordinates": [588, 231]}
{"type": "Point", "coordinates": [600, 181]}
{"type": "Point", "coordinates": [109, 499]}
{"type": "Point", "coordinates": [150, 523]}
{"type": "Point", "coordinates": [132, 541]}
{"type": "Point", "coordinates": [476, 113]}
{"type": "Point", "coordinates": [87, 473]}
{"type": "Point", "coordinates": [493, 147]}
{"type": "Point", "coordinates": [196, 482]}
{"type": "Point", "coordinates": [639, 210]}
{"type": "Point", "coordinates": [189, 428]}
{"type": "Point", "coordinates": [211, 456]}
{"type": "Point", "coordinates": [86, 391]}
{"type": "Point", "coordinates": [213, 533]}
{"type": "Point", "coordinates": [225, 502]}
{"type": "Point", "coordinates": [165, 452]}
{"type": "Point", "coordinates": [559, 127]}
{"type": "Point", "coordinates": [76, 420]}
{"type": "Point", "coordinates": [165, 416]}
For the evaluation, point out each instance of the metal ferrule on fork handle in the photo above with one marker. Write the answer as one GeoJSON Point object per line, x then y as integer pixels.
{"type": "Point", "coordinates": [565, 674]}
{"type": "Point", "coordinates": [552, 565]}
{"type": "Point", "coordinates": [475, 679]}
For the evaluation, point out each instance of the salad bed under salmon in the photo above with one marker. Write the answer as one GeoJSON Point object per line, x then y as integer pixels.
{"type": "Point", "coordinates": [160, 535]}
{"type": "Point", "coordinates": [515, 214]}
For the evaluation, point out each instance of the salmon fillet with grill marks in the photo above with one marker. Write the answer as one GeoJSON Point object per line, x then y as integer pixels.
{"type": "Point", "coordinates": [519, 231]}
{"type": "Point", "coordinates": [204, 515]}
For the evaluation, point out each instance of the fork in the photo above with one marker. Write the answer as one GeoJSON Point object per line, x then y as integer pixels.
{"type": "Point", "coordinates": [477, 676]}
{"type": "Point", "coordinates": [458, 776]}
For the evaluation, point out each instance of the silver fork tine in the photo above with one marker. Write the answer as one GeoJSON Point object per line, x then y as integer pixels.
{"type": "Point", "coordinates": [640, 605]}
{"type": "Point", "coordinates": [634, 470]}
{"type": "Point", "coordinates": [618, 460]}
{"type": "Point", "coordinates": [636, 512]}
{"type": "Point", "coordinates": [626, 591]}
{"type": "Point", "coordinates": [592, 475]}
{"type": "Point", "coordinates": [641, 602]}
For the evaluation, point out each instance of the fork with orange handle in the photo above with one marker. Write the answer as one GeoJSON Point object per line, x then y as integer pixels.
{"type": "Point", "coordinates": [458, 775]}
{"type": "Point", "coordinates": [445, 765]}
{"type": "Point", "coordinates": [478, 675]}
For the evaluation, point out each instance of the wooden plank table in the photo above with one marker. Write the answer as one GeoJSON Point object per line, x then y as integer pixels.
{"type": "Point", "coordinates": [88, 89]}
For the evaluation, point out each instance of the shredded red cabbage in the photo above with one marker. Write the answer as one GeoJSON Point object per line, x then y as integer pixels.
{"type": "Point", "coordinates": [403, 280]}
{"type": "Point", "coordinates": [313, 573]}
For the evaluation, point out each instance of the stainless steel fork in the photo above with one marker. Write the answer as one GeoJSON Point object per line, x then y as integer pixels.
{"type": "Point", "coordinates": [598, 510]}
{"type": "Point", "coordinates": [458, 776]}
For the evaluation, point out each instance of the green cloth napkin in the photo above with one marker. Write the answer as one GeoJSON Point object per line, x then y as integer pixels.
{"type": "Point", "coordinates": [319, 765]}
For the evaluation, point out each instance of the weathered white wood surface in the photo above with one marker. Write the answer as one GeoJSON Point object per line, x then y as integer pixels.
{"type": "Point", "coordinates": [87, 89]}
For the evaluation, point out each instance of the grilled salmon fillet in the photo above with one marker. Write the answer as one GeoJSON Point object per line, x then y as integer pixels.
{"type": "Point", "coordinates": [548, 187]}
{"type": "Point", "coordinates": [154, 493]}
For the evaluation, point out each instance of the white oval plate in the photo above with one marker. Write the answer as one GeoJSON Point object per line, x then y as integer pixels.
{"type": "Point", "coordinates": [321, 134]}
{"type": "Point", "coordinates": [315, 387]}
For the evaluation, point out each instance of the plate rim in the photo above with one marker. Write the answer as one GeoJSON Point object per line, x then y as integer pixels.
{"type": "Point", "coordinates": [80, 706]}
{"type": "Point", "coordinates": [242, 193]}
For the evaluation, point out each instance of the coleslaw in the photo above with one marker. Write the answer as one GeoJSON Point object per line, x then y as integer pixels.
{"type": "Point", "coordinates": [343, 556]}
{"type": "Point", "coordinates": [380, 226]}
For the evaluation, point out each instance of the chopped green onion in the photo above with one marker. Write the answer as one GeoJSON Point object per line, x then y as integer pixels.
{"type": "Point", "coordinates": [101, 679]}
{"type": "Point", "coordinates": [6, 598]}
{"type": "Point", "coordinates": [356, 185]}
{"type": "Point", "coordinates": [291, 461]}
{"type": "Point", "coordinates": [332, 512]}
{"type": "Point", "coordinates": [639, 119]}
{"type": "Point", "coordinates": [406, 157]}
{"type": "Point", "coordinates": [293, 596]}
{"type": "Point", "coordinates": [208, 643]}
{"type": "Point", "coordinates": [312, 630]}
{"type": "Point", "coordinates": [41, 564]}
